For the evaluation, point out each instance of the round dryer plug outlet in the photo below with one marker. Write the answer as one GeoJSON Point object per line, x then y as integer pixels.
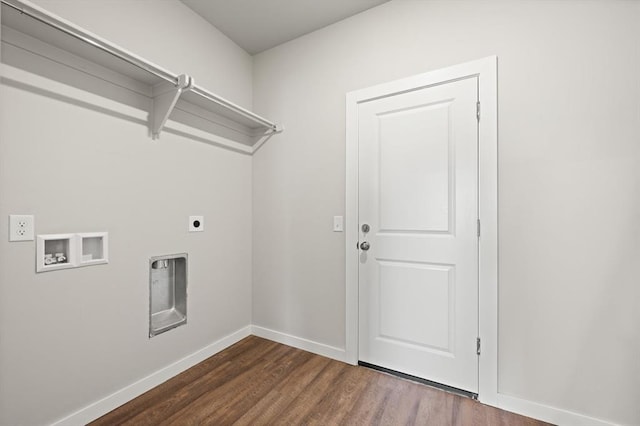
{"type": "Point", "coordinates": [196, 223]}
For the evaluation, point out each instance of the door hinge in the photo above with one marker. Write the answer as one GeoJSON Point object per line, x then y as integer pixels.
{"type": "Point", "coordinates": [478, 110]}
{"type": "Point", "coordinates": [478, 228]}
{"type": "Point", "coordinates": [478, 346]}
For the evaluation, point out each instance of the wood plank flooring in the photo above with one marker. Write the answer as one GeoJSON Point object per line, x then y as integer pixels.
{"type": "Point", "coordinates": [259, 382]}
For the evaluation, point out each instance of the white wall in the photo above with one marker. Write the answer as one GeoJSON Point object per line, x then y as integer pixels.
{"type": "Point", "coordinates": [69, 338]}
{"type": "Point", "coordinates": [569, 185]}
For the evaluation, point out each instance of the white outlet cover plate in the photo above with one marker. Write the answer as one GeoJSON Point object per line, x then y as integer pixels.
{"type": "Point", "coordinates": [21, 227]}
{"type": "Point", "coordinates": [196, 220]}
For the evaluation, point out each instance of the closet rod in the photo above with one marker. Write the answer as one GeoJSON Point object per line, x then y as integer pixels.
{"type": "Point", "coordinates": [164, 75]}
{"type": "Point", "coordinates": [95, 42]}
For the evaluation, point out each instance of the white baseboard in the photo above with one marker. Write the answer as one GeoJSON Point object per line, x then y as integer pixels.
{"type": "Point", "coordinates": [509, 403]}
{"type": "Point", "coordinates": [300, 343]}
{"type": "Point", "coordinates": [99, 408]}
{"type": "Point", "coordinates": [546, 413]}
{"type": "Point", "coordinates": [113, 401]}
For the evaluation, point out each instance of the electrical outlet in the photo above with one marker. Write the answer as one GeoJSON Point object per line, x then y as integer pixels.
{"type": "Point", "coordinates": [196, 223]}
{"type": "Point", "coordinates": [21, 227]}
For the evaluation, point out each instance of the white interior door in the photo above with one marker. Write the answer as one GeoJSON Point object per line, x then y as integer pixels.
{"type": "Point", "coordinates": [418, 193]}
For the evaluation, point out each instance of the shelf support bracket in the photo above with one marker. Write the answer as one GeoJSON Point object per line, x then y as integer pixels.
{"type": "Point", "coordinates": [164, 103]}
{"type": "Point", "coordinates": [261, 139]}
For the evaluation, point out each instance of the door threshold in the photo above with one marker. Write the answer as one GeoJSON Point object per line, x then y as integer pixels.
{"type": "Point", "coordinates": [446, 388]}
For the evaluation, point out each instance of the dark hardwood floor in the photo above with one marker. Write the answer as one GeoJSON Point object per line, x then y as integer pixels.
{"type": "Point", "coordinates": [259, 382]}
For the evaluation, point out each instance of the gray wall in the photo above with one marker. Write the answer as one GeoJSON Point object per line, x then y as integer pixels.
{"type": "Point", "coordinates": [69, 338]}
{"type": "Point", "coordinates": [569, 185]}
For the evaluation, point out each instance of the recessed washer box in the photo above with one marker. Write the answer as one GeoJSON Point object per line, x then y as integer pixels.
{"type": "Point", "coordinates": [93, 248]}
{"type": "Point", "coordinates": [64, 251]}
{"type": "Point", "coordinates": [167, 293]}
{"type": "Point", "coordinates": [56, 251]}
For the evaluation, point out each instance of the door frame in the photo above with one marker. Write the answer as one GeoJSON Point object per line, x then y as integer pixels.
{"type": "Point", "coordinates": [485, 70]}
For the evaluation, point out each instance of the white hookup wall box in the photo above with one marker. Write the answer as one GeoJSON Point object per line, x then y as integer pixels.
{"type": "Point", "coordinates": [64, 251]}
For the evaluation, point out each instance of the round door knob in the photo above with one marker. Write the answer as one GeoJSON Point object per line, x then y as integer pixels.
{"type": "Point", "coordinates": [364, 246]}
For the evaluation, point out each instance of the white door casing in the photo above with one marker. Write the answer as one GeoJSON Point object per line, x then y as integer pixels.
{"type": "Point", "coordinates": [484, 71]}
{"type": "Point", "coordinates": [418, 278]}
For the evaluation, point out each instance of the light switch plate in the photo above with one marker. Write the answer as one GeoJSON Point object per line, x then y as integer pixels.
{"type": "Point", "coordinates": [21, 227]}
{"type": "Point", "coordinates": [338, 224]}
{"type": "Point", "coordinates": [196, 223]}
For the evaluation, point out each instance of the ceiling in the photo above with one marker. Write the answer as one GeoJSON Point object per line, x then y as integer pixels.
{"type": "Point", "coordinates": [257, 25]}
